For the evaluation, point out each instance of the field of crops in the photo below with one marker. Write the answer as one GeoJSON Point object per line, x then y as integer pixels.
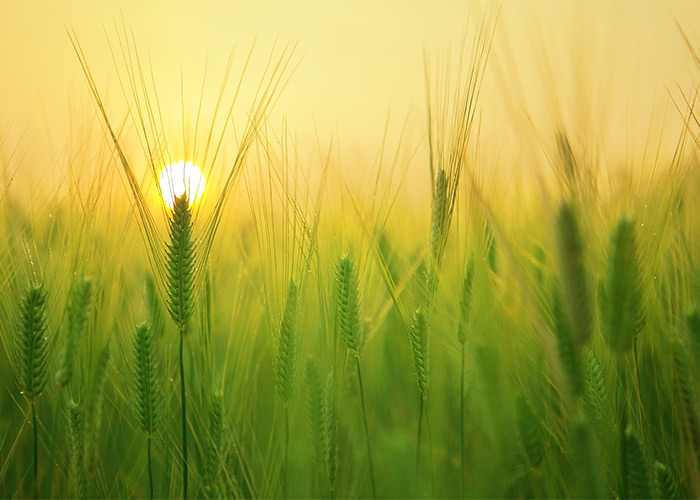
{"type": "Point", "coordinates": [234, 315]}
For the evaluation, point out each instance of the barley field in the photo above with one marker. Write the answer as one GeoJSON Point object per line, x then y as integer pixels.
{"type": "Point", "coordinates": [495, 295]}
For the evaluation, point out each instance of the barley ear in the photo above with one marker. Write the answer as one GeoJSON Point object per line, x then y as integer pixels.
{"type": "Point", "coordinates": [465, 301]}
{"type": "Point", "coordinates": [684, 385]}
{"type": "Point", "coordinates": [595, 394]}
{"type": "Point", "coordinates": [329, 419]}
{"type": "Point", "coordinates": [180, 255]}
{"type": "Point", "coordinates": [666, 484]}
{"type": "Point", "coordinates": [93, 417]}
{"type": "Point", "coordinates": [573, 274]}
{"type": "Point", "coordinates": [421, 350]}
{"type": "Point", "coordinates": [569, 351]}
{"type": "Point", "coordinates": [693, 324]}
{"type": "Point", "coordinates": [314, 409]}
{"type": "Point", "coordinates": [636, 482]}
{"type": "Point", "coordinates": [31, 345]}
{"type": "Point", "coordinates": [76, 471]}
{"type": "Point", "coordinates": [148, 393]}
{"type": "Point", "coordinates": [286, 359]}
{"type": "Point", "coordinates": [78, 313]}
{"type": "Point", "coordinates": [349, 304]}
{"type": "Point", "coordinates": [623, 309]}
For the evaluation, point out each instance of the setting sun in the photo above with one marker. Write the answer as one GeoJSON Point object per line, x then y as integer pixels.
{"type": "Point", "coordinates": [181, 177]}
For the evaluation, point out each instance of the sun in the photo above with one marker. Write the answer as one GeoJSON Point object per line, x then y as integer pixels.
{"type": "Point", "coordinates": [181, 177]}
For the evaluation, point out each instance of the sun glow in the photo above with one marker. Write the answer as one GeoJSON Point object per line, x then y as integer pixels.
{"type": "Point", "coordinates": [181, 177]}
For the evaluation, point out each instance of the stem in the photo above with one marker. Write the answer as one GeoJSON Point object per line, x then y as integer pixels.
{"type": "Point", "coordinates": [57, 414]}
{"type": "Point", "coordinates": [461, 425]}
{"type": "Point", "coordinates": [150, 469]}
{"type": "Point", "coordinates": [285, 486]}
{"type": "Point", "coordinates": [420, 430]}
{"type": "Point", "coordinates": [36, 451]}
{"type": "Point", "coordinates": [183, 399]}
{"type": "Point", "coordinates": [364, 416]}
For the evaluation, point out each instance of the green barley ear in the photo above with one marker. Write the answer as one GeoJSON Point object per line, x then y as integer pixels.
{"type": "Point", "coordinates": [441, 209]}
{"type": "Point", "coordinates": [180, 264]}
{"type": "Point", "coordinates": [636, 482]}
{"type": "Point", "coordinates": [569, 351]}
{"type": "Point", "coordinates": [76, 474]}
{"type": "Point", "coordinates": [465, 302]}
{"type": "Point", "coordinates": [666, 485]}
{"type": "Point", "coordinates": [623, 313]}
{"type": "Point", "coordinates": [32, 348]}
{"type": "Point", "coordinates": [693, 323]}
{"type": "Point", "coordinates": [530, 432]}
{"type": "Point", "coordinates": [421, 350]}
{"type": "Point", "coordinates": [78, 313]}
{"type": "Point", "coordinates": [349, 305]}
{"type": "Point", "coordinates": [93, 417]}
{"type": "Point", "coordinates": [148, 393]}
{"type": "Point", "coordinates": [586, 461]}
{"type": "Point", "coordinates": [329, 419]}
{"type": "Point", "coordinates": [286, 359]}
{"type": "Point", "coordinates": [573, 274]}
{"type": "Point", "coordinates": [314, 409]}
{"type": "Point", "coordinates": [684, 385]}
{"type": "Point", "coordinates": [595, 394]}
{"type": "Point", "coordinates": [214, 450]}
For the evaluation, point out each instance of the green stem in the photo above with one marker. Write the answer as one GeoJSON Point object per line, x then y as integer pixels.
{"type": "Point", "coordinates": [150, 469]}
{"type": "Point", "coordinates": [183, 400]}
{"type": "Point", "coordinates": [461, 425]}
{"type": "Point", "coordinates": [36, 451]}
{"type": "Point", "coordinates": [58, 412]}
{"type": "Point", "coordinates": [285, 486]}
{"type": "Point", "coordinates": [364, 417]}
{"type": "Point", "coordinates": [420, 430]}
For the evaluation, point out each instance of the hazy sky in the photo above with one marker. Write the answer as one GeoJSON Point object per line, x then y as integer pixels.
{"type": "Point", "coordinates": [603, 69]}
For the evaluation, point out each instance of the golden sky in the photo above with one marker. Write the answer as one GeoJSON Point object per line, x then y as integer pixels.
{"type": "Point", "coordinates": [604, 69]}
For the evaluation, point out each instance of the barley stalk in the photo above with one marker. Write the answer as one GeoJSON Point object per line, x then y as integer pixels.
{"type": "Point", "coordinates": [180, 290]}
{"type": "Point", "coordinates": [147, 393]}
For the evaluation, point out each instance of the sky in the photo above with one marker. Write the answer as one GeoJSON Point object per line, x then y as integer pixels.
{"type": "Point", "coordinates": [606, 71]}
